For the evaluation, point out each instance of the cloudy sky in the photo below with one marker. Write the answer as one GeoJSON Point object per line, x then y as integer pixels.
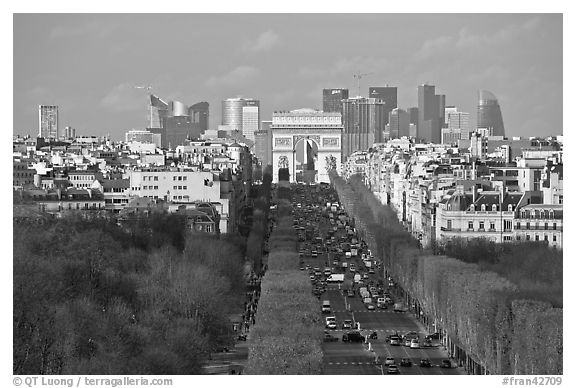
{"type": "Point", "coordinates": [88, 64]}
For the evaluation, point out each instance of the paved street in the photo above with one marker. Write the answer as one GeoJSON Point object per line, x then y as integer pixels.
{"type": "Point", "coordinates": [354, 358]}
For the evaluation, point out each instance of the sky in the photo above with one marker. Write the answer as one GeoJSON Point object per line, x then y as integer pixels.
{"type": "Point", "coordinates": [88, 64]}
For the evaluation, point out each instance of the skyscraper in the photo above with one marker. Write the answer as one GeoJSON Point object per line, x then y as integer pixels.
{"type": "Point", "coordinates": [175, 122]}
{"type": "Point", "coordinates": [158, 110]}
{"type": "Point", "coordinates": [430, 114]}
{"type": "Point", "coordinates": [489, 113]}
{"type": "Point", "coordinates": [363, 121]}
{"type": "Point", "coordinates": [48, 121]}
{"type": "Point", "coordinates": [398, 123]}
{"type": "Point", "coordinates": [200, 113]}
{"type": "Point", "coordinates": [233, 115]}
{"type": "Point", "coordinates": [332, 99]}
{"type": "Point", "coordinates": [250, 118]}
{"type": "Point", "coordinates": [388, 94]}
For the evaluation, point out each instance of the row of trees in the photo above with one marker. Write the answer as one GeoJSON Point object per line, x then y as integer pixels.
{"type": "Point", "coordinates": [508, 324]}
{"type": "Point", "coordinates": [259, 230]}
{"type": "Point", "coordinates": [287, 336]}
{"type": "Point", "coordinates": [91, 298]}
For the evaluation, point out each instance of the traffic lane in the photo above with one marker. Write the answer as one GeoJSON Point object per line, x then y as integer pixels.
{"type": "Point", "coordinates": [348, 359]}
{"type": "Point", "coordinates": [415, 355]}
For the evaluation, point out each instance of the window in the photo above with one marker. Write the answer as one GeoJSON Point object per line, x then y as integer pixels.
{"type": "Point", "coordinates": [481, 225]}
{"type": "Point", "coordinates": [554, 237]}
{"type": "Point", "coordinates": [492, 225]}
{"type": "Point", "coordinates": [179, 178]}
{"type": "Point", "coordinates": [560, 199]}
{"type": "Point", "coordinates": [528, 226]}
{"type": "Point", "coordinates": [173, 178]}
{"type": "Point", "coordinates": [449, 225]}
{"type": "Point", "coordinates": [554, 226]}
{"type": "Point", "coordinates": [537, 237]}
{"type": "Point", "coordinates": [179, 187]}
{"type": "Point", "coordinates": [507, 238]}
{"type": "Point", "coordinates": [545, 237]}
{"type": "Point", "coordinates": [527, 237]}
{"type": "Point", "coordinates": [185, 187]}
{"type": "Point", "coordinates": [518, 238]}
{"type": "Point", "coordinates": [184, 178]}
{"type": "Point", "coordinates": [545, 226]}
{"type": "Point", "coordinates": [155, 178]}
{"type": "Point", "coordinates": [155, 187]}
{"type": "Point", "coordinates": [517, 225]}
{"type": "Point", "coordinates": [470, 225]}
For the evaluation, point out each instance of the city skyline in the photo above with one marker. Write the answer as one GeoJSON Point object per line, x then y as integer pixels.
{"type": "Point", "coordinates": [458, 53]}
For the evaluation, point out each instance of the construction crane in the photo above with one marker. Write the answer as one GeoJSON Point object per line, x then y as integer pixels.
{"type": "Point", "coordinates": [147, 87]}
{"type": "Point", "coordinates": [359, 76]}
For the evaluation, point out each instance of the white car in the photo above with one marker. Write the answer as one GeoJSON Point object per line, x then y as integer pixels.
{"type": "Point", "coordinates": [390, 361]}
{"type": "Point", "coordinates": [414, 344]}
{"type": "Point", "coordinates": [331, 322]}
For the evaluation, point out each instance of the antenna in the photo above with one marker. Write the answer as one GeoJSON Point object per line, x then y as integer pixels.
{"type": "Point", "coordinates": [359, 76]}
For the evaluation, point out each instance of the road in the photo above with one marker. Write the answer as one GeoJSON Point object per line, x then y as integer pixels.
{"type": "Point", "coordinates": [358, 358]}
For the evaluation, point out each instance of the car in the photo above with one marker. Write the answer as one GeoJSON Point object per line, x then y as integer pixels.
{"type": "Point", "coordinates": [390, 361]}
{"type": "Point", "coordinates": [312, 277]}
{"type": "Point", "coordinates": [414, 344]}
{"type": "Point", "coordinates": [331, 322]}
{"type": "Point", "coordinates": [330, 338]}
{"type": "Point", "coordinates": [446, 363]}
{"type": "Point", "coordinates": [393, 369]}
{"type": "Point", "coordinates": [302, 268]}
{"type": "Point", "coordinates": [353, 336]}
{"type": "Point", "coordinates": [395, 340]}
{"type": "Point", "coordinates": [365, 276]}
{"type": "Point", "coordinates": [347, 324]}
{"type": "Point", "coordinates": [371, 271]}
{"type": "Point", "coordinates": [370, 306]}
{"type": "Point", "coordinates": [434, 336]}
{"type": "Point", "coordinates": [425, 363]}
{"type": "Point", "coordinates": [405, 362]}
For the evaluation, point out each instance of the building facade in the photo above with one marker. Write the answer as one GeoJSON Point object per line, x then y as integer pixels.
{"type": "Point", "coordinates": [430, 114]}
{"type": "Point", "coordinates": [315, 135]}
{"type": "Point", "coordinates": [388, 94]}
{"type": "Point", "coordinates": [332, 99]}
{"type": "Point", "coordinates": [48, 121]}
{"type": "Point", "coordinates": [363, 122]}
{"type": "Point", "coordinates": [489, 113]}
{"type": "Point", "coordinates": [398, 123]}
{"type": "Point", "coordinates": [233, 114]}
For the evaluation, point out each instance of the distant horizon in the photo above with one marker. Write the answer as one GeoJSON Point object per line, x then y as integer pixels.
{"type": "Point", "coordinates": [91, 64]}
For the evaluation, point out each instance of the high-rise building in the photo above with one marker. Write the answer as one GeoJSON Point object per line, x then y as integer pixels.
{"type": "Point", "coordinates": [250, 119]}
{"type": "Point", "coordinates": [233, 115]}
{"type": "Point", "coordinates": [413, 112]}
{"type": "Point", "coordinates": [200, 113]}
{"type": "Point", "coordinates": [157, 110]}
{"type": "Point", "coordinates": [363, 121]}
{"type": "Point", "coordinates": [489, 113]}
{"type": "Point", "coordinates": [263, 143]}
{"type": "Point", "coordinates": [332, 99]}
{"type": "Point", "coordinates": [388, 94]}
{"type": "Point", "coordinates": [398, 123]}
{"type": "Point", "coordinates": [430, 114]}
{"type": "Point", "coordinates": [457, 120]}
{"type": "Point", "coordinates": [69, 133]}
{"type": "Point", "coordinates": [175, 122]}
{"type": "Point", "coordinates": [48, 121]}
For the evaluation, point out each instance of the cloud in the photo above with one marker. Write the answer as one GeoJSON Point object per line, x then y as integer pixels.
{"type": "Point", "coordinates": [125, 98]}
{"type": "Point", "coordinates": [265, 41]}
{"type": "Point", "coordinates": [466, 39]}
{"type": "Point", "coordinates": [241, 75]}
{"type": "Point", "coordinates": [95, 28]}
{"type": "Point", "coordinates": [432, 46]}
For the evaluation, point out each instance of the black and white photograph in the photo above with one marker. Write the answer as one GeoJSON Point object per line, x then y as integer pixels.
{"type": "Point", "coordinates": [371, 196]}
